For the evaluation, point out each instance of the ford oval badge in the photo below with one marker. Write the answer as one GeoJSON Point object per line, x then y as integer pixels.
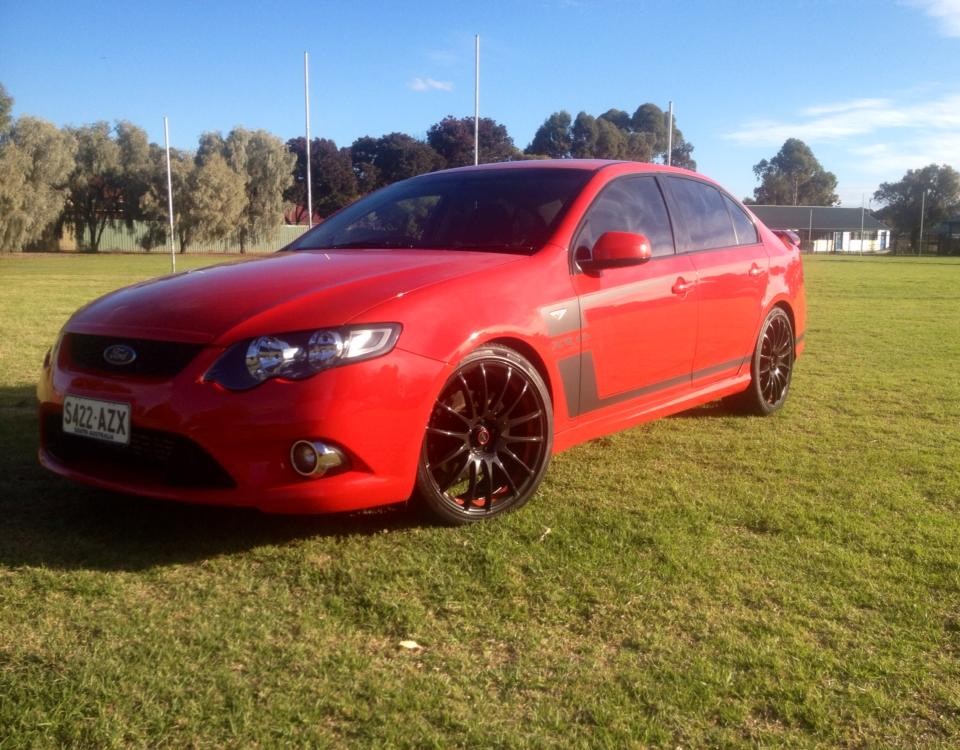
{"type": "Point", "coordinates": [119, 355]}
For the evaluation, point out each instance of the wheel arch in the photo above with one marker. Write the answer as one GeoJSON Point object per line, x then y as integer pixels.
{"type": "Point", "coordinates": [529, 353]}
{"type": "Point", "coordinates": [785, 305]}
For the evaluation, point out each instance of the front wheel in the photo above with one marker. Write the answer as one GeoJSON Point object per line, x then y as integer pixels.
{"type": "Point", "coordinates": [771, 367]}
{"type": "Point", "coordinates": [488, 440]}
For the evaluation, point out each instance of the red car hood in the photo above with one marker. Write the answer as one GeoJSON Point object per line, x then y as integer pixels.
{"type": "Point", "coordinates": [283, 292]}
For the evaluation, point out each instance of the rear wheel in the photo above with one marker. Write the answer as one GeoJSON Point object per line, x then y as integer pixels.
{"type": "Point", "coordinates": [771, 368]}
{"type": "Point", "coordinates": [488, 440]}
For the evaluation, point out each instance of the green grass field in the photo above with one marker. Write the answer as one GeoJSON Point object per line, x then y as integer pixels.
{"type": "Point", "coordinates": [705, 580]}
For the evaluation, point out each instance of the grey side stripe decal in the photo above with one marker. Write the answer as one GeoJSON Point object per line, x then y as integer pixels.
{"type": "Point", "coordinates": [580, 383]}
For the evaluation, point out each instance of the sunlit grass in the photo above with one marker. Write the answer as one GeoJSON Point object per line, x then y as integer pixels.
{"type": "Point", "coordinates": [703, 580]}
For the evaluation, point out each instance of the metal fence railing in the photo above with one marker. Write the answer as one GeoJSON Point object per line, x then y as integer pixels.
{"type": "Point", "coordinates": [138, 238]}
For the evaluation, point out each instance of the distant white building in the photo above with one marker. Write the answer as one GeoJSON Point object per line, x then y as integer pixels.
{"type": "Point", "coordinates": [828, 229]}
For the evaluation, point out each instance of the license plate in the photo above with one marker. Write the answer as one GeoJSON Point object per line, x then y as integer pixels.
{"type": "Point", "coordinates": [101, 420]}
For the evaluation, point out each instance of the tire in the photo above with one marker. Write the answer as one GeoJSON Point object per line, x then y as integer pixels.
{"type": "Point", "coordinates": [771, 368]}
{"type": "Point", "coordinates": [488, 441]}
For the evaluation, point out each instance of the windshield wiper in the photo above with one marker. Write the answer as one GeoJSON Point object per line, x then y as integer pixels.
{"type": "Point", "coordinates": [369, 244]}
{"type": "Point", "coordinates": [489, 248]}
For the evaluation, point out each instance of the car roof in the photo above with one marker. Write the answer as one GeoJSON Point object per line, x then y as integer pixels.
{"type": "Point", "coordinates": [587, 165]}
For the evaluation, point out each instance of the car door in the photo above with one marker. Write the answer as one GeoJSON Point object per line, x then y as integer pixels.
{"type": "Point", "coordinates": [732, 267]}
{"type": "Point", "coordinates": [639, 322]}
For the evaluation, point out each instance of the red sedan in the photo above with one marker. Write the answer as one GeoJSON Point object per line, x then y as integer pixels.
{"type": "Point", "coordinates": [437, 341]}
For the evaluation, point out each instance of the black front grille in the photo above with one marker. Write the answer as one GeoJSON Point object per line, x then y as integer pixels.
{"type": "Point", "coordinates": [154, 358]}
{"type": "Point", "coordinates": [160, 457]}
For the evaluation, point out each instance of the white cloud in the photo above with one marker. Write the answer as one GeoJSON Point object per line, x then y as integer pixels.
{"type": "Point", "coordinates": [869, 138]}
{"type": "Point", "coordinates": [946, 14]}
{"type": "Point", "coordinates": [857, 118]}
{"type": "Point", "coordinates": [931, 148]}
{"type": "Point", "coordinates": [828, 122]}
{"type": "Point", "coordinates": [851, 106]}
{"type": "Point", "coordinates": [429, 84]}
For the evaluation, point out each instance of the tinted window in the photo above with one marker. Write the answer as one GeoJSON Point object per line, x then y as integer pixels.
{"type": "Point", "coordinates": [746, 231]}
{"type": "Point", "coordinates": [628, 205]}
{"type": "Point", "coordinates": [703, 215]}
{"type": "Point", "coordinates": [511, 210]}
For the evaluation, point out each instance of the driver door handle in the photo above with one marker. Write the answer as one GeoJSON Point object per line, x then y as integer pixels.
{"type": "Point", "coordinates": [682, 286]}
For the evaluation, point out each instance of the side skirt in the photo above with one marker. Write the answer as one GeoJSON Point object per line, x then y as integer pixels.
{"type": "Point", "coordinates": [617, 418]}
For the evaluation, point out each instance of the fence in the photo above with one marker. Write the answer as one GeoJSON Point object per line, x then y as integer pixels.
{"type": "Point", "coordinates": [118, 237]}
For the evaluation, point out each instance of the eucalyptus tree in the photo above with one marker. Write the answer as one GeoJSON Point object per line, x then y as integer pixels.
{"type": "Point", "coordinates": [794, 177]}
{"type": "Point", "coordinates": [933, 192]}
{"type": "Point", "coordinates": [36, 159]}
{"type": "Point", "coordinates": [453, 139]}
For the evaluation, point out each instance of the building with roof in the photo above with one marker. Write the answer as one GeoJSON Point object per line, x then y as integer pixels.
{"type": "Point", "coordinates": [829, 229]}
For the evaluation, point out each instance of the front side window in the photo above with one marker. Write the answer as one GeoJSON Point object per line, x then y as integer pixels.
{"type": "Point", "coordinates": [703, 215]}
{"type": "Point", "coordinates": [509, 210]}
{"type": "Point", "coordinates": [632, 204]}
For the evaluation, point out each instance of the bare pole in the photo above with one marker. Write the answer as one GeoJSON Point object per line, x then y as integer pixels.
{"type": "Point", "coordinates": [810, 231]}
{"type": "Point", "coordinates": [476, 100]}
{"type": "Point", "coordinates": [863, 208]}
{"type": "Point", "coordinates": [670, 133]}
{"type": "Point", "coordinates": [306, 105]}
{"type": "Point", "coordinates": [166, 144]}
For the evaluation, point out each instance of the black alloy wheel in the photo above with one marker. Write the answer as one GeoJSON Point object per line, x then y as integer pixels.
{"type": "Point", "coordinates": [772, 366]}
{"type": "Point", "coordinates": [488, 440]}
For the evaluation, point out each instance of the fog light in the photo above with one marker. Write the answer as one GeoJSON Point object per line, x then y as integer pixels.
{"type": "Point", "coordinates": [311, 458]}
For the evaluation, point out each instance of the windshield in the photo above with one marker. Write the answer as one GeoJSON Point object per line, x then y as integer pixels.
{"type": "Point", "coordinates": [509, 210]}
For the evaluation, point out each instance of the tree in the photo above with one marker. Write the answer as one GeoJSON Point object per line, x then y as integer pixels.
{"type": "Point", "coordinates": [333, 182]}
{"type": "Point", "coordinates": [682, 153]}
{"type": "Point", "coordinates": [794, 177]}
{"type": "Point", "coordinates": [650, 120]}
{"type": "Point", "coordinates": [390, 158]}
{"type": "Point", "coordinates": [553, 138]}
{"type": "Point", "coordinates": [619, 118]}
{"type": "Point", "coordinates": [613, 135]}
{"type": "Point", "coordinates": [209, 198]}
{"type": "Point", "coordinates": [612, 143]}
{"type": "Point", "coordinates": [135, 168]}
{"type": "Point", "coordinates": [96, 195]}
{"type": "Point", "coordinates": [652, 125]}
{"type": "Point", "coordinates": [363, 154]}
{"type": "Point", "coordinates": [110, 176]}
{"type": "Point", "coordinates": [264, 165]}
{"type": "Point", "coordinates": [6, 106]}
{"type": "Point", "coordinates": [452, 138]}
{"type": "Point", "coordinates": [217, 200]}
{"type": "Point", "coordinates": [154, 203]}
{"type": "Point", "coordinates": [269, 172]}
{"type": "Point", "coordinates": [36, 159]}
{"type": "Point", "coordinates": [583, 136]}
{"type": "Point", "coordinates": [904, 200]}
{"type": "Point", "coordinates": [210, 144]}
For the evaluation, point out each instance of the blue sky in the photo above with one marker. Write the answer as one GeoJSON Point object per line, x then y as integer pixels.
{"type": "Point", "coordinates": [872, 87]}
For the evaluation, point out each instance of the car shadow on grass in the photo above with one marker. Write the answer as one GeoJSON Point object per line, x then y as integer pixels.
{"type": "Point", "coordinates": [47, 521]}
{"type": "Point", "coordinates": [713, 409]}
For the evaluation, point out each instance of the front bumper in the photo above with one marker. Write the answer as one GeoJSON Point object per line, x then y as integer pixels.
{"type": "Point", "coordinates": [194, 441]}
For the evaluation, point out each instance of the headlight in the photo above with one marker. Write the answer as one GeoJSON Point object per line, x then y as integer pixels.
{"type": "Point", "coordinates": [299, 354]}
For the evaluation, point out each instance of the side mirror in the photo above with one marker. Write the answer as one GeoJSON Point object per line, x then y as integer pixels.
{"type": "Point", "coordinates": [618, 249]}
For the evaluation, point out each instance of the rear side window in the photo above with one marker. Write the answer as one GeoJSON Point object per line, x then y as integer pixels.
{"type": "Point", "coordinates": [632, 204]}
{"type": "Point", "coordinates": [746, 231]}
{"type": "Point", "coordinates": [703, 217]}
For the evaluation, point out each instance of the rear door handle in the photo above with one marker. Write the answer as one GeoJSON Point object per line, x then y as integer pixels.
{"type": "Point", "coordinates": [755, 270]}
{"type": "Point", "coordinates": [682, 286]}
